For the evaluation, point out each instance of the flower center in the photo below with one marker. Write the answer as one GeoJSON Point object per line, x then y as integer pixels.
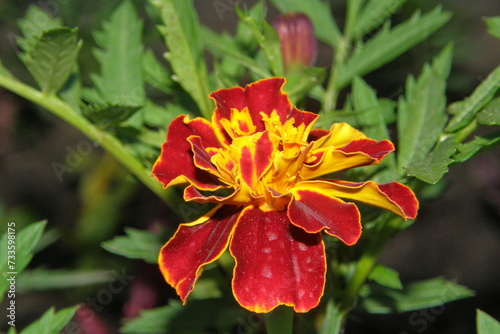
{"type": "Point", "coordinates": [262, 165]}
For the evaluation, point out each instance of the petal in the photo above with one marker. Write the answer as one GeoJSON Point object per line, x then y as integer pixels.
{"type": "Point", "coordinates": [393, 196]}
{"type": "Point", "coordinates": [256, 158]}
{"type": "Point", "coordinates": [262, 96]}
{"type": "Point", "coordinates": [178, 149]}
{"type": "Point", "coordinates": [375, 149]}
{"type": "Point", "coordinates": [240, 196]}
{"type": "Point", "coordinates": [276, 263]}
{"type": "Point", "coordinates": [183, 257]}
{"type": "Point", "coordinates": [358, 153]}
{"type": "Point", "coordinates": [314, 211]}
{"type": "Point", "coordinates": [331, 161]}
{"type": "Point", "coordinates": [340, 134]}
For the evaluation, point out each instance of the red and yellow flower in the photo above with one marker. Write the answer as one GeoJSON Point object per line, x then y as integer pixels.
{"type": "Point", "coordinates": [260, 161]}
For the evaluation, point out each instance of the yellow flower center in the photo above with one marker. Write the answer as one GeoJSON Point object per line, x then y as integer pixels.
{"type": "Point", "coordinates": [262, 166]}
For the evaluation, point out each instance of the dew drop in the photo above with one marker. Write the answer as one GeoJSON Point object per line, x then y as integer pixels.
{"type": "Point", "coordinates": [302, 247]}
{"type": "Point", "coordinates": [266, 250]}
{"type": "Point", "coordinates": [266, 272]}
{"type": "Point", "coordinates": [271, 236]}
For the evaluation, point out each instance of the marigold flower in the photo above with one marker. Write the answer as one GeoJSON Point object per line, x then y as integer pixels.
{"type": "Point", "coordinates": [259, 159]}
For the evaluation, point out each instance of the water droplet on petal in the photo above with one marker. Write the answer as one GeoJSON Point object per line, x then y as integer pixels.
{"type": "Point", "coordinates": [266, 250]}
{"type": "Point", "coordinates": [266, 272]}
{"type": "Point", "coordinates": [271, 236]}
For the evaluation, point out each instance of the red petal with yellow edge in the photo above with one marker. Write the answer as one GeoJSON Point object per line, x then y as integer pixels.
{"type": "Point", "coordinates": [374, 149]}
{"type": "Point", "coordinates": [276, 263]}
{"type": "Point", "coordinates": [392, 196]}
{"type": "Point", "coordinates": [201, 157]}
{"type": "Point", "coordinates": [255, 159]}
{"type": "Point", "coordinates": [175, 164]}
{"type": "Point", "coordinates": [332, 160]}
{"type": "Point", "coordinates": [262, 96]}
{"type": "Point", "coordinates": [314, 211]}
{"type": "Point", "coordinates": [240, 196]}
{"type": "Point", "coordinates": [192, 247]}
{"type": "Point", "coordinates": [340, 134]}
{"type": "Point", "coordinates": [358, 153]}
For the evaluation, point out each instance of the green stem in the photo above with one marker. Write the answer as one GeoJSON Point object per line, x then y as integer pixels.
{"type": "Point", "coordinates": [334, 319]}
{"type": "Point", "coordinates": [332, 89]}
{"type": "Point", "coordinates": [366, 264]}
{"type": "Point", "coordinates": [110, 143]}
{"type": "Point", "coordinates": [279, 321]}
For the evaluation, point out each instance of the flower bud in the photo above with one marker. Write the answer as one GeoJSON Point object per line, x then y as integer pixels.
{"type": "Point", "coordinates": [298, 43]}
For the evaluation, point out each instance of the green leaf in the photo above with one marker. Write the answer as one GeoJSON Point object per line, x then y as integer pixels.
{"type": "Point", "coordinates": [299, 83]}
{"type": "Point", "coordinates": [465, 111]}
{"type": "Point", "coordinates": [432, 168]}
{"type": "Point", "coordinates": [268, 40]}
{"type": "Point", "coordinates": [369, 114]}
{"type": "Point", "coordinates": [33, 25]}
{"type": "Point", "coordinates": [155, 73]}
{"type": "Point", "coordinates": [195, 317]}
{"type": "Point", "coordinates": [136, 244]}
{"type": "Point", "coordinates": [43, 279]}
{"type": "Point", "coordinates": [486, 324]}
{"type": "Point", "coordinates": [51, 322]}
{"type": "Point", "coordinates": [490, 115]}
{"type": "Point", "coordinates": [476, 146]}
{"type": "Point", "coordinates": [52, 57]}
{"type": "Point", "coordinates": [386, 277]}
{"type": "Point", "coordinates": [418, 295]}
{"type": "Point", "coordinates": [389, 44]}
{"type": "Point", "coordinates": [21, 244]}
{"type": "Point", "coordinates": [320, 15]}
{"type": "Point", "coordinates": [108, 114]}
{"type": "Point", "coordinates": [374, 14]}
{"type": "Point", "coordinates": [493, 24]}
{"type": "Point", "coordinates": [223, 47]}
{"type": "Point", "coordinates": [421, 114]}
{"type": "Point", "coordinates": [181, 31]}
{"type": "Point", "coordinates": [120, 52]}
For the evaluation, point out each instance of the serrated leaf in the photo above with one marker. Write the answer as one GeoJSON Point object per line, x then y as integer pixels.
{"type": "Point", "coordinates": [465, 111]}
{"type": "Point", "coordinates": [374, 14]}
{"type": "Point", "coordinates": [155, 73]}
{"type": "Point", "coordinates": [43, 279]}
{"type": "Point", "coordinates": [432, 168]}
{"type": "Point", "coordinates": [24, 242]}
{"type": "Point", "coordinates": [52, 57]}
{"type": "Point", "coordinates": [111, 115]}
{"type": "Point", "coordinates": [390, 43]}
{"type": "Point", "coordinates": [421, 114]}
{"type": "Point", "coordinates": [418, 295]}
{"type": "Point", "coordinates": [476, 146]}
{"type": "Point", "coordinates": [195, 317]}
{"type": "Point", "coordinates": [486, 324]}
{"type": "Point", "coordinates": [320, 15]}
{"type": "Point", "coordinates": [268, 40]}
{"type": "Point", "coordinates": [181, 31]}
{"type": "Point", "coordinates": [493, 24]}
{"type": "Point", "coordinates": [120, 53]}
{"type": "Point", "coordinates": [490, 115]}
{"type": "Point", "coordinates": [136, 244]}
{"type": "Point", "coordinates": [386, 277]}
{"type": "Point", "coordinates": [34, 23]}
{"type": "Point", "coordinates": [51, 322]}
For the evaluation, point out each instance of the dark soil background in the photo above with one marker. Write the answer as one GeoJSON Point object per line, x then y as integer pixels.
{"type": "Point", "coordinates": [457, 236]}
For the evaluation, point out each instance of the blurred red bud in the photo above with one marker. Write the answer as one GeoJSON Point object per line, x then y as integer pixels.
{"type": "Point", "coordinates": [89, 322]}
{"type": "Point", "coordinates": [298, 43]}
